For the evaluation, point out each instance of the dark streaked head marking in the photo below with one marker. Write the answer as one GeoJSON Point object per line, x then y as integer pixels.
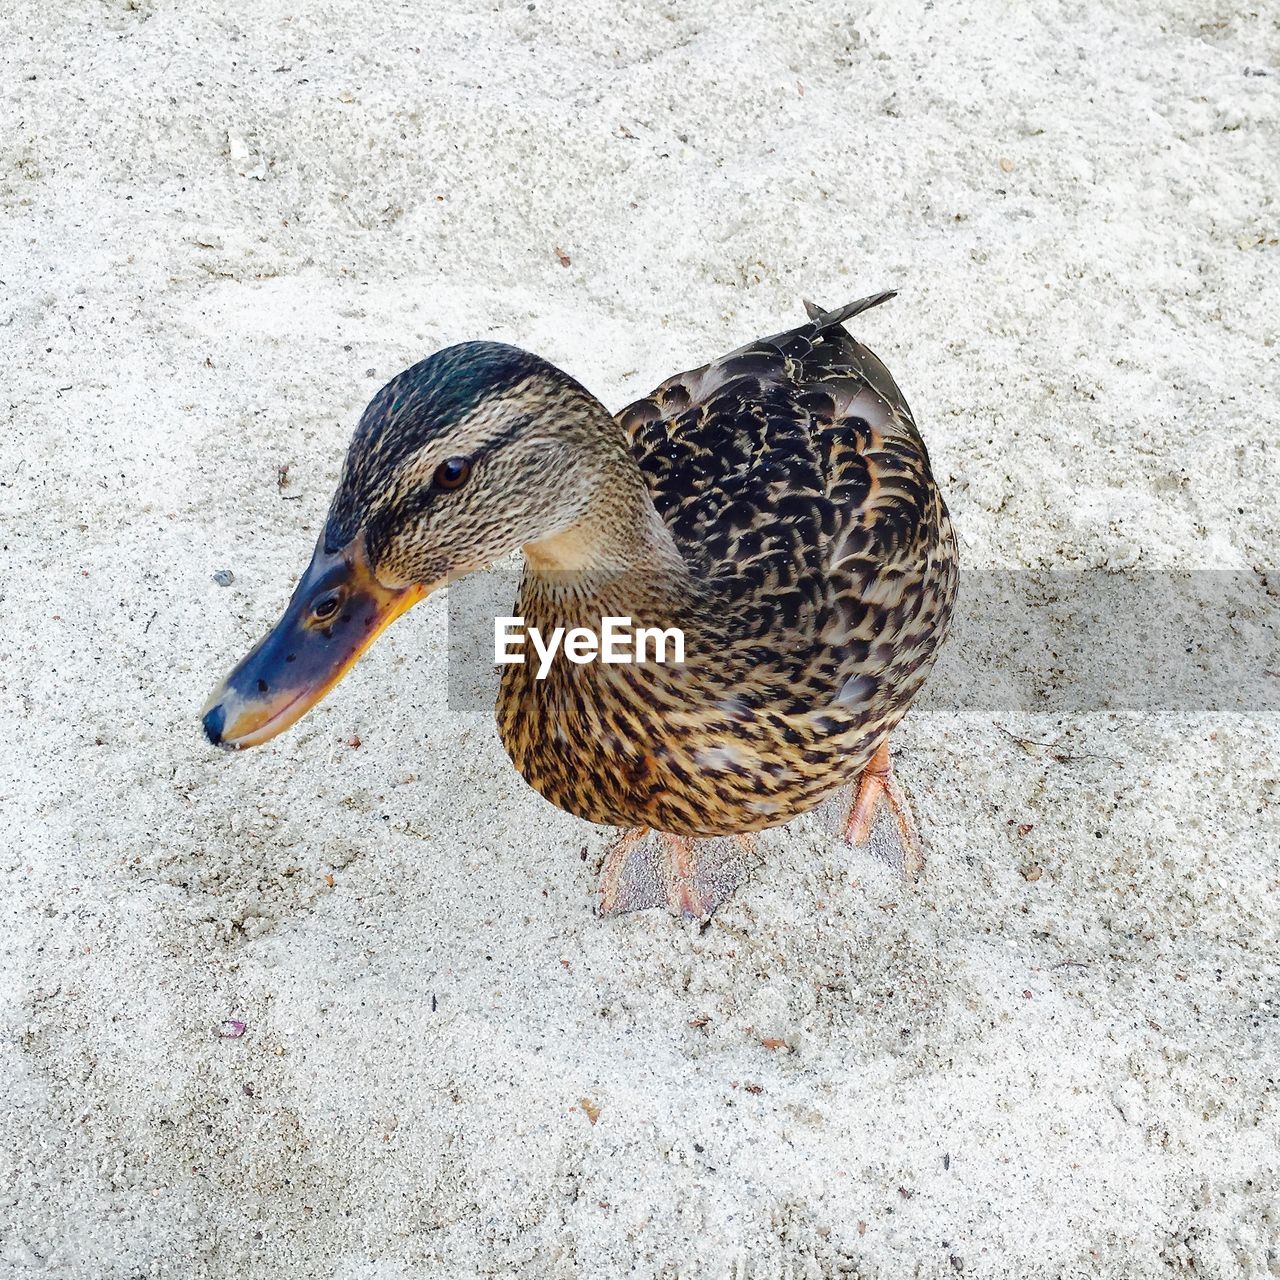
{"type": "Point", "coordinates": [423, 403]}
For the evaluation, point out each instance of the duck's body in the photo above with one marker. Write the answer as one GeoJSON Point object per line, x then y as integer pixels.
{"type": "Point", "coordinates": [775, 506]}
{"type": "Point", "coordinates": [821, 572]}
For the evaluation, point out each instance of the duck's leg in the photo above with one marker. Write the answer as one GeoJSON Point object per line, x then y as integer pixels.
{"type": "Point", "coordinates": [877, 786]}
{"type": "Point", "coordinates": [613, 873]}
{"type": "Point", "coordinates": [691, 878]}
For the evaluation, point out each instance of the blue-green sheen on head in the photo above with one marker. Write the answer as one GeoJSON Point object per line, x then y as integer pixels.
{"type": "Point", "coordinates": [421, 404]}
{"type": "Point", "coordinates": [505, 418]}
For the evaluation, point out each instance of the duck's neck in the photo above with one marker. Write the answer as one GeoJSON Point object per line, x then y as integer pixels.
{"type": "Point", "coordinates": [620, 546]}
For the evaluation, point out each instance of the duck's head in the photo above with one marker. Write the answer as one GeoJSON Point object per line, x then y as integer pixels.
{"type": "Point", "coordinates": [478, 450]}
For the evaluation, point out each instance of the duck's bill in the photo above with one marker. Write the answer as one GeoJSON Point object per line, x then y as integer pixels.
{"type": "Point", "coordinates": [309, 650]}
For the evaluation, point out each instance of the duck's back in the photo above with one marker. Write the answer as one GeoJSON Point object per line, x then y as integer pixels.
{"type": "Point", "coordinates": [793, 453]}
{"type": "Point", "coordinates": [791, 473]}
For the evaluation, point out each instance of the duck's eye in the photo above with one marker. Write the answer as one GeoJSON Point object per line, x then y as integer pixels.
{"type": "Point", "coordinates": [452, 473]}
{"type": "Point", "coordinates": [327, 606]}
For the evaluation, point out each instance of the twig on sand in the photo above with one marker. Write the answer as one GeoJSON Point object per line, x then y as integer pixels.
{"type": "Point", "coordinates": [1024, 743]}
{"type": "Point", "coordinates": [1062, 757]}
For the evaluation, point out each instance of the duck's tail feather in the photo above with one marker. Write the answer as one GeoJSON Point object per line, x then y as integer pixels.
{"type": "Point", "coordinates": [830, 319]}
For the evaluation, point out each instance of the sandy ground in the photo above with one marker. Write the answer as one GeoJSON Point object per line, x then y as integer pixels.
{"type": "Point", "coordinates": [220, 233]}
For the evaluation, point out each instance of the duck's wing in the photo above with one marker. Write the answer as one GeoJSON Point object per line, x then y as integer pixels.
{"type": "Point", "coordinates": [791, 474]}
{"type": "Point", "coordinates": [796, 450]}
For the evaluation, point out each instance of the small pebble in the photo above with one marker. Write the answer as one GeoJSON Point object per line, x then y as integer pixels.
{"type": "Point", "coordinates": [231, 1029]}
{"type": "Point", "coordinates": [224, 577]}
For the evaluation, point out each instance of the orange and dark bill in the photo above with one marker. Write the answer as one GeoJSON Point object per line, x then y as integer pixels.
{"type": "Point", "coordinates": [337, 611]}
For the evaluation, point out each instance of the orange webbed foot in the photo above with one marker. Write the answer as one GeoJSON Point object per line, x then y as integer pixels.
{"type": "Point", "coordinates": [878, 791]}
{"type": "Point", "coordinates": [690, 877]}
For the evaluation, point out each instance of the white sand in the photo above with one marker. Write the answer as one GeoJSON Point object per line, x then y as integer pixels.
{"type": "Point", "coordinates": [219, 235]}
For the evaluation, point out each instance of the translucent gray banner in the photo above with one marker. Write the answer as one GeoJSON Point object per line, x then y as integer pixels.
{"type": "Point", "coordinates": [1031, 641]}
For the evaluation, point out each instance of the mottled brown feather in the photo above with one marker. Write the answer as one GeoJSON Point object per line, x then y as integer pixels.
{"type": "Point", "coordinates": [823, 571]}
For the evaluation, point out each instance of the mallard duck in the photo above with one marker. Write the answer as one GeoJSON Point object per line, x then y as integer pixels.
{"type": "Point", "coordinates": [776, 506]}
